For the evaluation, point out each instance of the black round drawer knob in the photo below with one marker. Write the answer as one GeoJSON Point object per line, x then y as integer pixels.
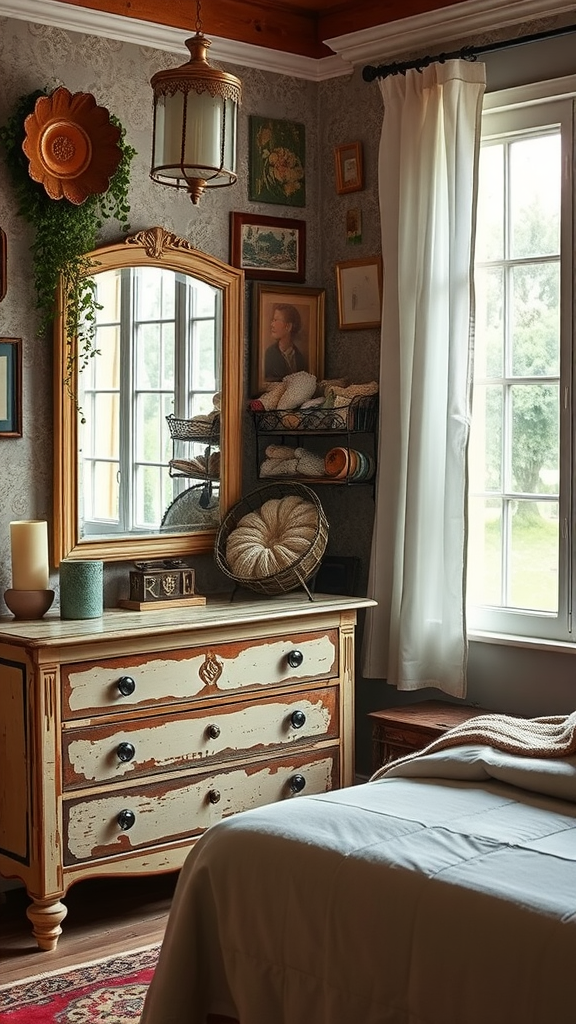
{"type": "Point", "coordinates": [297, 718]}
{"type": "Point", "coordinates": [214, 796]}
{"type": "Point", "coordinates": [125, 751]}
{"type": "Point", "coordinates": [126, 685]}
{"type": "Point", "coordinates": [297, 783]}
{"type": "Point", "coordinates": [126, 819]}
{"type": "Point", "coordinates": [295, 659]}
{"type": "Point", "coordinates": [213, 731]}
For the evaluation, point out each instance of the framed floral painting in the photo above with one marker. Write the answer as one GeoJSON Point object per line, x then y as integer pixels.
{"type": "Point", "coordinates": [277, 162]}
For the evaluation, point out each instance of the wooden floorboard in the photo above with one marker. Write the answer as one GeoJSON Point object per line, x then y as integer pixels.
{"type": "Point", "coordinates": [105, 916]}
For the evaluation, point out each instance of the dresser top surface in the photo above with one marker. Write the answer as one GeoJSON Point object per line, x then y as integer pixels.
{"type": "Point", "coordinates": [217, 612]}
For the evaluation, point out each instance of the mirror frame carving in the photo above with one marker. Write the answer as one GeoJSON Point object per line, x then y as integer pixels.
{"type": "Point", "coordinates": [152, 247]}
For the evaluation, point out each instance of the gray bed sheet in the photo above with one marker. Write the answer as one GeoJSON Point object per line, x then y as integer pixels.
{"type": "Point", "coordinates": [444, 893]}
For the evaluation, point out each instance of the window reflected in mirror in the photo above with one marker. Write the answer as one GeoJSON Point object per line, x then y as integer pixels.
{"type": "Point", "coordinates": [152, 462]}
{"type": "Point", "coordinates": [155, 379]}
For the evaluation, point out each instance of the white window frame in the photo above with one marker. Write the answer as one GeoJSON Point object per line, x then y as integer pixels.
{"type": "Point", "coordinates": [183, 398]}
{"type": "Point", "coordinates": [519, 109]}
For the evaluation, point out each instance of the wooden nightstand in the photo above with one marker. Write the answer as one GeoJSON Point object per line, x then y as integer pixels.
{"type": "Point", "coordinates": [400, 731]}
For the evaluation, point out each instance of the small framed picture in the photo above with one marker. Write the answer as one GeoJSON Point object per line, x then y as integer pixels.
{"type": "Point", "coordinates": [354, 226]}
{"type": "Point", "coordinates": [359, 292]}
{"type": "Point", "coordinates": [3, 268]}
{"type": "Point", "coordinates": [287, 333]}
{"type": "Point", "coordinates": [277, 162]}
{"type": "Point", "coordinates": [349, 171]}
{"type": "Point", "coordinates": [10, 387]}
{"type": "Point", "coordinates": [269, 248]}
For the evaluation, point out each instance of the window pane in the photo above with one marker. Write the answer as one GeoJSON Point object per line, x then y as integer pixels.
{"type": "Point", "coordinates": [148, 491]}
{"type": "Point", "coordinates": [485, 452]}
{"type": "Point", "coordinates": [203, 302]}
{"type": "Point", "coordinates": [534, 556]}
{"type": "Point", "coordinates": [535, 438]}
{"type": "Point", "coordinates": [490, 227]}
{"type": "Point", "coordinates": [489, 341]}
{"type": "Point", "coordinates": [484, 582]}
{"type": "Point", "coordinates": [105, 497]}
{"type": "Point", "coordinates": [149, 418]}
{"type": "Point", "coordinates": [108, 296]}
{"type": "Point", "coordinates": [154, 294]}
{"type": "Point", "coordinates": [535, 324]}
{"type": "Point", "coordinates": [106, 439]}
{"type": "Point", "coordinates": [535, 196]}
{"type": "Point", "coordinates": [107, 363]}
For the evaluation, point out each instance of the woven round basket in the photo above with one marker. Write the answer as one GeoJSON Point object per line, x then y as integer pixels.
{"type": "Point", "coordinates": [302, 568]}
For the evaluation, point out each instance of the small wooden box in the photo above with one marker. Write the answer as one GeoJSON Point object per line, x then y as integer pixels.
{"type": "Point", "coordinates": [400, 731]}
{"type": "Point", "coordinates": [157, 587]}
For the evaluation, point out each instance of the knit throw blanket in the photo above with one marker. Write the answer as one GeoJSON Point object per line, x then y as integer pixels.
{"type": "Point", "coordinates": [554, 736]}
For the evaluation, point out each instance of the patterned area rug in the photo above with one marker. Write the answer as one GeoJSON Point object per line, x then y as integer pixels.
{"type": "Point", "coordinates": [107, 991]}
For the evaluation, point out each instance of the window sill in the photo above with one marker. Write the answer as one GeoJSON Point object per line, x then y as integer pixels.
{"type": "Point", "coordinates": [529, 642]}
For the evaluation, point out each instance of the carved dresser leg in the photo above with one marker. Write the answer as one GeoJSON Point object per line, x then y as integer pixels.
{"type": "Point", "coordinates": [46, 915]}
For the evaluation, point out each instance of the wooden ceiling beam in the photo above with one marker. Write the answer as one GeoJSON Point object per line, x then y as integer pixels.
{"type": "Point", "coordinates": [271, 24]}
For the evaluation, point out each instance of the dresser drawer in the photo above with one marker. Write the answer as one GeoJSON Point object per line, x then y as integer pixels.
{"type": "Point", "coordinates": [141, 746]}
{"type": "Point", "coordinates": [201, 672]}
{"type": "Point", "coordinates": [168, 811]}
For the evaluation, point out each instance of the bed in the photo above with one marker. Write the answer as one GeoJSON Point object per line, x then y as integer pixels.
{"type": "Point", "coordinates": [443, 891]}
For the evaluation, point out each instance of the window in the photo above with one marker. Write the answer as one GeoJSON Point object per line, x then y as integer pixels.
{"type": "Point", "coordinates": [156, 334]}
{"type": "Point", "coordinates": [520, 460]}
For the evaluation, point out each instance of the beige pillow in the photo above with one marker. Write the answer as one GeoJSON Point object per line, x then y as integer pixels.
{"type": "Point", "coordinates": [272, 539]}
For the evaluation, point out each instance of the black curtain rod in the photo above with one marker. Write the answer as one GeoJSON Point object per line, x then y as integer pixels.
{"type": "Point", "coordinates": [369, 73]}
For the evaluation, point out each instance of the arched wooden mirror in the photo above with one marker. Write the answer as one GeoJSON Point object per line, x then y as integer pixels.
{"type": "Point", "coordinates": [152, 463]}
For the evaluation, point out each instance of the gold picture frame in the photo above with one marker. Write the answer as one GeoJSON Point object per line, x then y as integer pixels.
{"type": "Point", "coordinates": [306, 306]}
{"type": "Point", "coordinates": [349, 168]}
{"type": "Point", "coordinates": [359, 293]}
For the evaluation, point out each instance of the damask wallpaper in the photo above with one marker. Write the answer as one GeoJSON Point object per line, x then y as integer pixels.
{"type": "Point", "coordinates": [118, 74]}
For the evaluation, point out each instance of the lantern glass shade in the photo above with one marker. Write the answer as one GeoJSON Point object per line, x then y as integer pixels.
{"type": "Point", "coordinates": [195, 124]}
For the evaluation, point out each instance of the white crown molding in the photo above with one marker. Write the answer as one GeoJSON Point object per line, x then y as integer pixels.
{"type": "Point", "coordinates": [162, 37]}
{"type": "Point", "coordinates": [435, 29]}
{"type": "Point", "coordinates": [423, 32]}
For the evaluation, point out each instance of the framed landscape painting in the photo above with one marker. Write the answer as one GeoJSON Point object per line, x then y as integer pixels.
{"type": "Point", "coordinates": [277, 162]}
{"type": "Point", "coordinates": [269, 248]}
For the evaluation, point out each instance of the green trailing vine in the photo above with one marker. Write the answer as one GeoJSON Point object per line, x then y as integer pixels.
{"type": "Point", "coordinates": [65, 233]}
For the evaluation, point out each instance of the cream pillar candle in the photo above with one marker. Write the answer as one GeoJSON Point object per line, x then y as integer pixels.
{"type": "Point", "coordinates": [29, 546]}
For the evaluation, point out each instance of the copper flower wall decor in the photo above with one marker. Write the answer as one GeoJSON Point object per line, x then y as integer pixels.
{"type": "Point", "coordinates": [72, 146]}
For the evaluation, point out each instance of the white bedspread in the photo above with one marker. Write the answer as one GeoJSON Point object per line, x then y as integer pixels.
{"type": "Point", "coordinates": [442, 895]}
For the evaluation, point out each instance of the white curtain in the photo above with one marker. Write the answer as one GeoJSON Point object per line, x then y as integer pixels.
{"type": "Point", "coordinates": [428, 166]}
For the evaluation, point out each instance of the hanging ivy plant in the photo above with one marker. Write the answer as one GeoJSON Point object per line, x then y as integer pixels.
{"type": "Point", "coordinates": [65, 233]}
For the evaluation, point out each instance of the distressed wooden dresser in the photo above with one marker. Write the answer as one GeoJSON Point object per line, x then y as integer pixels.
{"type": "Point", "coordinates": [123, 738]}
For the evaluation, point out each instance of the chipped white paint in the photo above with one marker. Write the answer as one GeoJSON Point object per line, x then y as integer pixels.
{"type": "Point", "coordinates": [75, 835]}
{"type": "Point", "coordinates": [93, 830]}
{"type": "Point", "coordinates": [164, 678]}
{"type": "Point", "coordinates": [181, 741]}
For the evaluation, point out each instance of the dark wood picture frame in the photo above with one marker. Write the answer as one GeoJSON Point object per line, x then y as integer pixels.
{"type": "Point", "coordinates": [309, 304]}
{"type": "Point", "coordinates": [3, 265]}
{"type": "Point", "coordinates": [10, 387]}
{"type": "Point", "coordinates": [359, 293]}
{"type": "Point", "coordinates": [268, 248]}
{"type": "Point", "coordinates": [349, 168]}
